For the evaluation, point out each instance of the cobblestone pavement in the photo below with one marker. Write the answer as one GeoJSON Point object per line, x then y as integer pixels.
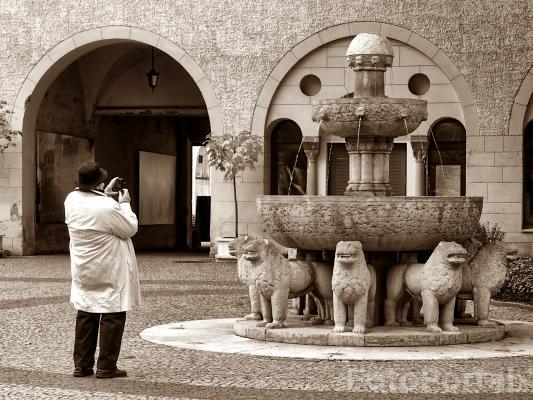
{"type": "Point", "coordinates": [37, 327]}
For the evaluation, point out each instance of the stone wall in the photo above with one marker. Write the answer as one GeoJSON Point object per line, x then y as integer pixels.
{"type": "Point", "coordinates": [238, 44]}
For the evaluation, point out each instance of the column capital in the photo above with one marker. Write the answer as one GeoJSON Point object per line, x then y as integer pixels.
{"type": "Point", "coordinates": [311, 146]}
{"type": "Point", "coordinates": [419, 144]}
{"type": "Point", "coordinates": [311, 142]}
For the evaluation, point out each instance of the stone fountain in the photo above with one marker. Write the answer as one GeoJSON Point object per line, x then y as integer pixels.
{"type": "Point", "coordinates": [388, 227]}
{"type": "Point", "coordinates": [369, 122]}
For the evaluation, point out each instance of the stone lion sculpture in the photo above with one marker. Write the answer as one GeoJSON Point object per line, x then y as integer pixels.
{"type": "Point", "coordinates": [243, 271]}
{"type": "Point", "coordinates": [275, 278]}
{"type": "Point", "coordinates": [483, 277]}
{"type": "Point", "coordinates": [436, 283]}
{"type": "Point", "coordinates": [354, 288]}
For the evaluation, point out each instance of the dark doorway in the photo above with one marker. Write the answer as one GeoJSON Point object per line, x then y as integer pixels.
{"type": "Point", "coordinates": [287, 161]}
{"type": "Point", "coordinates": [119, 143]}
{"type": "Point", "coordinates": [528, 177]}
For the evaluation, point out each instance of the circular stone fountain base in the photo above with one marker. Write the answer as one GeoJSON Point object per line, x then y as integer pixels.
{"type": "Point", "coordinates": [298, 331]}
{"type": "Point", "coordinates": [216, 335]}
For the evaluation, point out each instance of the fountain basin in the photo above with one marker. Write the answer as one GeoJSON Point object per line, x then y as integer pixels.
{"type": "Point", "coordinates": [388, 223]}
{"type": "Point", "coordinates": [380, 116]}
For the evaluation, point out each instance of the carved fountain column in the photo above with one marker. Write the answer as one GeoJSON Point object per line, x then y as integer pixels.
{"type": "Point", "coordinates": [311, 146]}
{"type": "Point", "coordinates": [369, 166]}
{"type": "Point", "coordinates": [419, 144]}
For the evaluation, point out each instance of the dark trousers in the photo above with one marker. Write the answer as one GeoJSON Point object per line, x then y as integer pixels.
{"type": "Point", "coordinates": [111, 326]}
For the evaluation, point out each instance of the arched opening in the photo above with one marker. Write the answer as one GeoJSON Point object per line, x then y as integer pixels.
{"type": "Point", "coordinates": [288, 160]}
{"type": "Point", "coordinates": [94, 102]}
{"type": "Point", "coordinates": [446, 161]}
{"type": "Point", "coordinates": [528, 177]}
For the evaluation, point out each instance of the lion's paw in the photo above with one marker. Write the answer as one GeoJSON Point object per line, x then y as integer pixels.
{"type": "Point", "coordinates": [275, 325]}
{"type": "Point", "coordinates": [255, 316]}
{"type": "Point", "coordinates": [359, 329]}
{"type": "Point", "coordinates": [261, 324]}
{"type": "Point", "coordinates": [329, 322]}
{"type": "Point", "coordinates": [339, 329]}
{"type": "Point", "coordinates": [450, 328]}
{"type": "Point", "coordinates": [433, 329]}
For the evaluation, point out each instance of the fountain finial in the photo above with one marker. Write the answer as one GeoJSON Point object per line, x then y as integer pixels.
{"type": "Point", "coordinates": [370, 51]}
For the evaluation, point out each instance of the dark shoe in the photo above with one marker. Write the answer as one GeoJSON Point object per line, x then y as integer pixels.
{"type": "Point", "coordinates": [113, 373]}
{"type": "Point", "coordinates": [81, 371]}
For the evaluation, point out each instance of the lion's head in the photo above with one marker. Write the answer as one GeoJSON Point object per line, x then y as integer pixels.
{"type": "Point", "coordinates": [511, 252]}
{"type": "Point", "coordinates": [349, 253]}
{"type": "Point", "coordinates": [256, 250]}
{"type": "Point", "coordinates": [502, 249]}
{"type": "Point", "coordinates": [454, 253]}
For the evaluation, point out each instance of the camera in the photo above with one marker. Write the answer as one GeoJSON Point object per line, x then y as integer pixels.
{"type": "Point", "coordinates": [119, 184]}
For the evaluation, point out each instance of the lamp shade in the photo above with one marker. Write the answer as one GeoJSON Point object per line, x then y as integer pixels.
{"type": "Point", "coordinates": [152, 76]}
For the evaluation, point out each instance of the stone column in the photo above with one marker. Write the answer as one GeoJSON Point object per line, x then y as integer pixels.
{"type": "Point", "coordinates": [419, 144]}
{"type": "Point", "coordinates": [311, 146]}
{"type": "Point", "coordinates": [369, 166]}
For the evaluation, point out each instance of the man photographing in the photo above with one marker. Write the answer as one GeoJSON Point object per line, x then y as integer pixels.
{"type": "Point", "coordinates": [105, 282]}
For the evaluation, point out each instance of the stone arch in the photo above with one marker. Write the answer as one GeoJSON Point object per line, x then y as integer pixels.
{"type": "Point", "coordinates": [330, 34]}
{"type": "Point", "coordinates": [48, 68]}
{"type": "Point", "coordinates": [521, 119]}
{"type": "Point", "coordinates": [517, 120]}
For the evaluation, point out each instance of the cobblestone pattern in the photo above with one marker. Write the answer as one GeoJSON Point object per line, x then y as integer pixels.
{"type": "Point", "coordinates": [37, 337]}
{"type": "Point", "coordinates": [237, 43]}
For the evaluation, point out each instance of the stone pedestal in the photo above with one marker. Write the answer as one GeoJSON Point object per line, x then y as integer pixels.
{"type": "Point", "coordinates": [369, 166]}
{"type": "Point", "coordinates": [419, 144]}
{"type": "Point", "coordinates": [298, 331]}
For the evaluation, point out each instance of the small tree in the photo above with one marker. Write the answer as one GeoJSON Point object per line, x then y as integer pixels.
{"type": "Point", "coordinates": [6, 133]}
{"type": "Point", "coordinates": [231, 154]}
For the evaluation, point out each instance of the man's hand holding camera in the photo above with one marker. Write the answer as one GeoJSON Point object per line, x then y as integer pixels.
{"type": "Point", "coordinates": [117, 186]}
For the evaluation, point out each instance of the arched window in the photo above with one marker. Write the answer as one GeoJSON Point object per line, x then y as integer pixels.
{"type": "Point", "coordinates": [528, 176]}
{"type": "Point", "coordinates": [287, 161]}
{"type": "Point", "coordinates": [447, 159]}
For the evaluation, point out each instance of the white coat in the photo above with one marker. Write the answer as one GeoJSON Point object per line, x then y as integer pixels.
{"type": "Point", "coordinates": [102, 258]}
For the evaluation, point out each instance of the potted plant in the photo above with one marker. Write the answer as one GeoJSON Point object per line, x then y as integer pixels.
{"type": "Point", "coordinates": [231, 154]}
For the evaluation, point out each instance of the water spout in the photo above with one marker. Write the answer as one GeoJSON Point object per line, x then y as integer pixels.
{"type": "Point", "coordinates": [444, 176]}
{"type": "Point", "coordinates": [294, 167]}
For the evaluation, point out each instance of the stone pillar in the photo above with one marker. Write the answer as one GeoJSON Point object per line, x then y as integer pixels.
{"type": "Point", "coordinates": [311, 146]}
{"type": "Point", "coordinates": [419, 144]}
{"type": "Point", "coordinates": [369, 166]}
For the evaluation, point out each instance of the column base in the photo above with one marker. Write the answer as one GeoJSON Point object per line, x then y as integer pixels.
{"type": "Point", "coordinates": [368, 189]}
